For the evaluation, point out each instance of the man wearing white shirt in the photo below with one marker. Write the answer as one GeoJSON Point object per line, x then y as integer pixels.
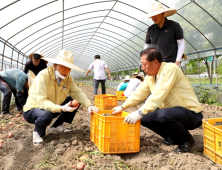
{"type": "Point", "coordinates": [99, 67]}
{"type": "Point", "coordinates": [133, 84]}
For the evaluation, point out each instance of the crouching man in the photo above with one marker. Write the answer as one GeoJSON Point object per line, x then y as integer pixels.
{"type": "Point", "coordinates": [51, 95]}
{"type": "Point", "coordinates": [172, 108]}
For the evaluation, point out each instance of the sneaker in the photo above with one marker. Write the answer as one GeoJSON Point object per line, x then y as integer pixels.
{"type": "Point", "coordinates": [58, 129]}
{"type": "Point", "coordinates": [37, 140]}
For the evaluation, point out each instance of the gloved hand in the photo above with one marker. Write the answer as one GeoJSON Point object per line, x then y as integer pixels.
{"type": "Point", "coordinates": [117, 109]}
{"type": "Point", "coordinates": [133, 117]}
{"type": "Point", "coordinates": [67, 108]}
{"type": "Point", "coordinates": [92, 109]}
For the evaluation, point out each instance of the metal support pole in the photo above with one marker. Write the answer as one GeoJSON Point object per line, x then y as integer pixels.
{"type": "Point", "coordinates": [199, 68]}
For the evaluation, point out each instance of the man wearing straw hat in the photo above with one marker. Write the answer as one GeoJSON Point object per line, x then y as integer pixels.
{"type": "Point", "coordinates": [51, 96]}
{"type": "Point", "coordinates": [166, 34]}
{"type": "Point", "coordinates": [35, 64]}
{"type": "Point", "coordinates": [171, 108]}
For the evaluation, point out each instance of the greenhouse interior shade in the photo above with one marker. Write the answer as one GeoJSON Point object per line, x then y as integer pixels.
{"type": "Point", "coordinates": [114, 29]}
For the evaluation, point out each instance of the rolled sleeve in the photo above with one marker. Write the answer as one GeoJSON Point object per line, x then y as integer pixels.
{"type": "Point", "coordinates": [77, 94]}
{"type": "Point", "coordinates": [91, 66]}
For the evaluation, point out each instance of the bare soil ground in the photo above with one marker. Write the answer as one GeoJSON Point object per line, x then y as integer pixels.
{"type": "Point", "coordinates": [63, 151]}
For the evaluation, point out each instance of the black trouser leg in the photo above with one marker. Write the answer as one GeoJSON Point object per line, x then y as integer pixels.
{"type": "Point", "coordinates": [103, 84]}
{"type": "Point", "coordinates": [16, 100]}
{"type": "Point", "coordinates": [95, 86]}
{"type": "Point", "coordinates": [43, 118]}
{"type": "Point", "coordinates": [64, 117]}
{"type": "Point", "coordinates": [173, 122]}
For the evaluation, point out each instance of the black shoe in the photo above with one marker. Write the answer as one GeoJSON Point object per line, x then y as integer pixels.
{"type": "Point", "coordinates": [168, 141]}
{"type": "Point", "coordinates": [186, 147]}
{"type": "Point", "coordinates": [8, 113]}
{"type": "Point", "coordinates": [18, 109]}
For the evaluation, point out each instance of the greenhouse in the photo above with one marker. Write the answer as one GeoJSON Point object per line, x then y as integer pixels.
{"type": "Point", "coordinates": [57, 120]}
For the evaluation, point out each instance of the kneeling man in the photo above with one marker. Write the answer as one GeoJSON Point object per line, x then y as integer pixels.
{"type": "Point", "coordinates": [51, 95]}
{"type": "Point", "coordinates": [172, 107]}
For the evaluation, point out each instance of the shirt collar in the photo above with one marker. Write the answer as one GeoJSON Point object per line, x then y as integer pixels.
{"type": "Point", "coordinates": [161, 67]}
{"type": "Point", "coordinates": [166, 23]}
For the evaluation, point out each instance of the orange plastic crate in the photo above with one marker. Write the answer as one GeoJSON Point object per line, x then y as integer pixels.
{"type": "Point", "coordinates": [105, 101]}
{"type": "Point", "coordinates": [112, 135]}
{"type": "Point", "coordinates": [120, 95]}
{"type": "Point", "coordinates": [212, 131]}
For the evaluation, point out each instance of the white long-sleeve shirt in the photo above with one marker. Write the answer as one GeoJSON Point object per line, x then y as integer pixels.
{"type": "Point", "coordinates": [133, 84]}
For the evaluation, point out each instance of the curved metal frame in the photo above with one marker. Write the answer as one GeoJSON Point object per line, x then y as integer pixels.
{"type": "Point", "coordinates": [97, 28]}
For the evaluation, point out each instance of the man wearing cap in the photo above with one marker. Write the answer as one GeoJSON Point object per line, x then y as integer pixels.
{"type": "Point", "coordinates": [36, 63]}
{"type": "Point", "coordinates": [134, 82]}
{"type": "Point", "coordinates": [125, 84]}
{"type": "Point", "coordinates": [51, 95]}
{"type": "Point", "coordinates": [13, 81]}
{"type": "Point", "coordinates": [172, 107]}
{"type": "Point", "coordinates": [99, 67]}
{"type": "Point", "coordinates": [166, 34]}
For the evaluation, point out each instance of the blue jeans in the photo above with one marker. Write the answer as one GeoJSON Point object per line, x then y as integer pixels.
{"type": "Point", "coordinates": [43, 118]}
{"type": "Point", "coordinates": [7, 95]}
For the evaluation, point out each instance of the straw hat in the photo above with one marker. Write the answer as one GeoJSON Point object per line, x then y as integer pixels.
{"type": "Point", "coordinates": [66, 59]}
{"type": "Point", "coordinates": [39, 53]}
{"type": "Point", "coordinates": [140, 75]}
{"type": "Point", "coordinates": [157, 8]}
{"type": "Point", "coordinates": [127, 77]}
{"type": "Point", "coordinates": [134, 74]}
{"type": "Point", "coordinates": [184, 56]}
{"type": "Point", "coordinates": [31, 77]}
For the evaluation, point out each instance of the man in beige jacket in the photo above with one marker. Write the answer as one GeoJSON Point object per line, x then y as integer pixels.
{"type": "Point", "coordinates": [51, 95]}
{"type": "Point", "coordinates": [172, 107]}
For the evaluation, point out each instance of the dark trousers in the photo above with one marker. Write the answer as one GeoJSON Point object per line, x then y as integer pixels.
{"type": "Point", "coordinates": [96, 85]}
{"type": "Point", "coordinates": [7, 95]}
{"type": "Point", "coordinates": [43, 118]}
{"type": "Point", "coordinates": [173, 122]}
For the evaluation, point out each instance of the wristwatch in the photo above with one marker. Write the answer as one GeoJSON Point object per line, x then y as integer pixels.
{"type": "Point", "coordinates": [141, 113]}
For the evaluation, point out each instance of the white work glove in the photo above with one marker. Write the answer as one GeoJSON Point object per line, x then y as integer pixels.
{"type": "Point", "coordinates": [67, 108]}
{"type": "Point", "coordinates": [133, 117]}
{"type": "Point", "coordinates": [117, 109]}
{"type": "Point", "coordinates": [92, 109]}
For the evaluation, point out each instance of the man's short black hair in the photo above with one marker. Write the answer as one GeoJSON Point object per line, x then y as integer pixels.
{"type": "Point", "coordinates": [152, 53]}
{"type": "Point", "coordinates": [36, 56]}
{"type": "Point", "coordinates": [97, 56]}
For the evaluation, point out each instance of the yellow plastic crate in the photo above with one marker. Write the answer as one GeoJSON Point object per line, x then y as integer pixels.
{"type": "Point", "coordinates": [120, 95]}
{"type": "Point", "coordinates": [212, 131]}
{"type": "Point", "coordinates": [81, 83]}
{"type": "Point", "coordinates": [105, 101]}
{"type": "Point", "coordinates": [112, 135]}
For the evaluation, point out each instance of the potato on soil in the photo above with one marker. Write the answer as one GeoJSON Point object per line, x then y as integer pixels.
{"type": "Point", "coordinates": [80, 166]}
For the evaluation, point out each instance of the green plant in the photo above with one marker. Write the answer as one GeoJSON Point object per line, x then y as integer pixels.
{"type": "Point", "coordinates": [47, 161]}
{"type": "Point", "coordinates": [204, 96]}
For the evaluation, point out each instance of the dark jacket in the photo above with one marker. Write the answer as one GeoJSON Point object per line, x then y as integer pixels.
{"type": "Point", "coordinates": [35, 69]}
